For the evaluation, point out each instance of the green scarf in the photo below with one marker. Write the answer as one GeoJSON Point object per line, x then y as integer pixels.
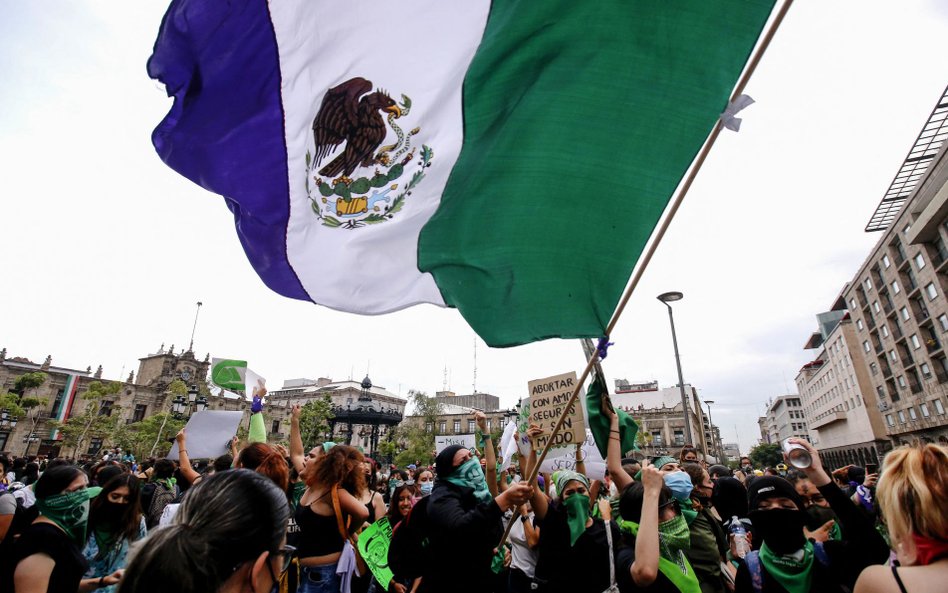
{"type": "Point", "coordinates": [793, 575]}
{"type": "Point", "coordinates": [678, 571]}
{"type": "Point", "coordinates": [673, 537]}
{"type": "Point", "coordinates": [687, 509]}
{"type": "Point", "coordinates": [167, 482]}
{"type": "Point", "coordinates": [69, 511]}
{"type": "Point", "coordinates": [470, 475]}
{"type": "Point", "coordinates": [577, 514]}
{"type": "Point", "coordinates": [836, 533]}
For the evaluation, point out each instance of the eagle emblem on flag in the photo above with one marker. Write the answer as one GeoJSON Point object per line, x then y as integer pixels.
{"type": "Point", "coordinates": [350, 174]}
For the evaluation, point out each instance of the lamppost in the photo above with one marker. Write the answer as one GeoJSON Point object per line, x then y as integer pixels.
{"type": "Point", "coordinates": [7, 424]}
{"type": "Point", "coordinates": [184, 408]}
{"type": "Point", "coordinates": [717, 452]}
{"type": "Point", "coordinates": [666, 298]}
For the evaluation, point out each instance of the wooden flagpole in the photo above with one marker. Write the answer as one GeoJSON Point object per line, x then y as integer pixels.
{"type": "Point", "coordinates": [659, 234]}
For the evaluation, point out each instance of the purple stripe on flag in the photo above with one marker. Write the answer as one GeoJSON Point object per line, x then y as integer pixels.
{"type": "Point", "coordinates": [225, 131]}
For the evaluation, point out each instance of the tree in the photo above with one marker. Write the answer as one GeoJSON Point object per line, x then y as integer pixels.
{"type": "Point", "coordinates": [766, 455]}
{"type": "Point", "coordinates": [175, 388]}
{"type": "Point", "coordinates": [28, 381]}
{"type": "Point", "coordinates": [417, 439]}
{"type": "Point", "coordinates": [314, 420]}
{"type": "Point", "coordinates": [93, 421]}
{"type": "Point", "coordinates": [150, 436]}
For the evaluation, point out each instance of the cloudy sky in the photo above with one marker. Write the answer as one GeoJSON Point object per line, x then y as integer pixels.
{"type": "Point", "coordinates": [105, 250]}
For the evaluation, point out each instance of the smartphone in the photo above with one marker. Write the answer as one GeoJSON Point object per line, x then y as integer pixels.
{"type": "Point", "coordinates": [872, 468]}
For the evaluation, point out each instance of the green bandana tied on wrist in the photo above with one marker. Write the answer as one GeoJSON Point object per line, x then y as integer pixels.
{"type": "Point", "coordinates": [69, 511]}
{"type": "Point", "coordinates": [470, 475]}
{"type": "Point", "coordinates": [793, 575]}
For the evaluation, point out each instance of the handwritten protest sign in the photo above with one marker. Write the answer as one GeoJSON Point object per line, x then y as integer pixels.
{"type": "Point", "coordinates": [548, 399]}
{"type": "Point", "coordinates": [373, 546]}
{"type": "Point", "coordinates": [565, 458]}
{"type": "Point", "coordinates": [523, 423]}
{"type": "Point", "coordinates": [446, 440]}
{"type": "Point", "coordinates": [209, 434]}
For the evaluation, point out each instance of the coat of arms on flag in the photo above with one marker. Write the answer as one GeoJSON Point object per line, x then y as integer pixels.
{"type": "Point", "coordinates": [351, 116]}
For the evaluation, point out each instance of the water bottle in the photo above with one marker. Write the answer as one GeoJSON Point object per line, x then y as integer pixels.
{"type": "Point", "coordinates": [741, 547]}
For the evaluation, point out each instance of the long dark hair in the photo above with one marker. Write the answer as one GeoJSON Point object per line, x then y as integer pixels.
{"type": "Point", "coordinates": [56, 479]}
{"type": "Point", "coordinates": [395, 515]}
{"type": "Point", "coordinates": [227, 519]}
{"type": "Point", "coordinates": [128, 524]}
{"type": "Point", "coordinates": [340, 466]}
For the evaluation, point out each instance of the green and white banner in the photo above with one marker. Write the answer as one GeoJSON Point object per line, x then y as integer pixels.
{"type": "Point", "coordinates": [229, 374]}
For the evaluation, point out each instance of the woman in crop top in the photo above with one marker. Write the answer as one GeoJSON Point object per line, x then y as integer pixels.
{"type": "Point", "coordinates": [320, 543]}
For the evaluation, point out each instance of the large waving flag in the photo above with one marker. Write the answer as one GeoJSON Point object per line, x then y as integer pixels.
{"type": "Point", "coordinates": [509, 158]}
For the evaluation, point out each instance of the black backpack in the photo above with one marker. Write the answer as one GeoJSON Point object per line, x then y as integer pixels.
{"type": "Point", "coordinates": [408, 553]}
{"type": "Point", "coordinates": [155, 498]}
{"type": "Point", "coordinates": [22, 518]}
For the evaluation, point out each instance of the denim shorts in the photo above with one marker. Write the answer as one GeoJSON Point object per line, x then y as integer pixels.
{"type": "Point", "coordinates": [319, 579]}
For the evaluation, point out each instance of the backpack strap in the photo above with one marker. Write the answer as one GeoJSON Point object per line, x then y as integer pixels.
{"type": "Point", "coordinates": [820, 553]}
{"type": "Point", "coordinates": [752, 560]}
{"type": "Point", "coordinates": [340, 523]}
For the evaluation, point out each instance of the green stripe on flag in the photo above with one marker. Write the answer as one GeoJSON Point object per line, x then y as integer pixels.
{"type": "Point", "coordinates": [580, 120]}
{"type": "Point", "coordinates": [229, 374]}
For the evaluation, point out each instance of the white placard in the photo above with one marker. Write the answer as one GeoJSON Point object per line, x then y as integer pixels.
{"type": "Point", "coordinates": [446, 440]}
{"type": "Point", "coordinates": [209, 434]}
{"type": "Point", "coordinates": [565, 458]}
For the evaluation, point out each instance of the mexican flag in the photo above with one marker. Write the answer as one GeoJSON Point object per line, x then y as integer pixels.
{"type": "Point", "coordinates": [509, 159]}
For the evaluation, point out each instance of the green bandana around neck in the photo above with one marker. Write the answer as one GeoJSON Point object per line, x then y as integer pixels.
{"type": "Point", "coordinates": [470, 475]}
{"type": "Point", "coordinates": [577, 514]}
{"type": "Point", "coordinates": [674, 535]}
{"type": "Point", "coordinates": [678, 570]}
{"type": "Point", "coordinates": [167, 482]}
{"type": "Point", "coordinates": [69, 511]}
{"type": "Point", "coordinates": [793, 575]}
{"type": "Point", "coordinates": [687, 510]}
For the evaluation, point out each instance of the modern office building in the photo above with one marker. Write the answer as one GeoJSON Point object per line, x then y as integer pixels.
{"type": "Point", "coordinates": [784, 419]}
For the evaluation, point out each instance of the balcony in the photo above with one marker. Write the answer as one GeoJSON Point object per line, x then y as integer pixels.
{"type": "Point", "coordinates": [837, 416]}
{"type": "Point", "coordinates": [941, 375]}
{"type": "Point", "coordinates": [932, 344]}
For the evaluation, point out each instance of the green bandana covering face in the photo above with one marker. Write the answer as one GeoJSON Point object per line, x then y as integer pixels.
{"type": "Point", "coordinates": [679, 571]}
{"type": "Point", "coordinates": [470, 475]}
{"type": "Point", "coordinates": [794, 575]}
{"type": "Point", "coordinates": [577, 514]}
{"type": "Point", "coordinates": [674, 536]}
{"type": "Point", "coordinates": [70, 511]}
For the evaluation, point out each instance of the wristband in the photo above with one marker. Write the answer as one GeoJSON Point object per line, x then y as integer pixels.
{"type": "Point", "coordinates": [101, 582]}
{"type": "Point", "coordinates": [524, 518]}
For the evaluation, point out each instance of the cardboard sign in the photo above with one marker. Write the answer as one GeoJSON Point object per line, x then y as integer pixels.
{"type": "Point", "coordinates": [565, 458]}
{"type": "Point", "coordinates": [446, 440]}
{"type": "Point", "coordinates": [374, 542]}
{"type": "Point", "coordinates": [523, 423]}
{"type": "Point", "coordinates": [209, 434]}
{"type": "Point", "coordinates": [548, 399]}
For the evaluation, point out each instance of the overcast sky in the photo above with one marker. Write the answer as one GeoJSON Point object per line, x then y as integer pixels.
{"type": "Point", "coordinates": [105, 250]}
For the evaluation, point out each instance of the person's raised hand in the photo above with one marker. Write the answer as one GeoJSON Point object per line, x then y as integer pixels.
{"type": "Point", "coordinates": [481, 420]}
{"type": "Point", "coordinates": [516, 494]}
{"type": "Point", "coordinates": [181, 438]}
{"type": "Point", "coordinates": [651, 477]}
{"type": "Point", "coordinates": [533, 432]}
{"type": "Point", "coordinates": [815, 472]}
{"type": "Point", "coordinates": [871, 480]}
{"type": "Point", "coordinates": [282, 450]}
{"type": "Point", "coordinates": [295, 411]}
{"type": "Point", "coordinates": [821, 533]}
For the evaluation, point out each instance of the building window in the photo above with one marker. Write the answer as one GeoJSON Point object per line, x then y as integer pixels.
{"type": "Point", "coordinates": [901, 417]}
{"type": "Point", "coordinates": [139, 414]}
{"type": "Point", "coordinates": [470, 426]}
{"type": "Point", "coordinates": [60, 395]}
{"type": "Point", "coordinates": [275, 427]}
{"type": "Point", "coordinates": [931, 291]}
{"type": "Point", "coordinates": [442, 427]}
{"type": "Point", "coordinates": [915, 343]}
{"type": "Point", "coordinates": [105, 408]}
{"type": "Point", "coordinates": [886, 262]}
{"type": "Point", "coordinates": [895, 287]}
{"type": "Point", "coordinates": [868, 284]}
{"type": "Point", "coordinates": [912, 414]}
{"type": "Point", "coordinates": [866, 346]}
{"type": "Point", "coordinates": [924, 408]}
{"type": "Point", "coordinates": [943, 322]}
{"type": "Point", "coordinates": [95, 443]}
{"type": "Point", "coordinates": [852, 304]}
{"type": "Point", "coordinates": [919, 261]}
{"type": "Point", "coordinates": [926, 370]}
{"type": "Point", "coordinates": [889, 420]}
{"type": "Point", "coordinates": [860, 325]}
{"type": "Point", "coordinates": [457, 427]}
{"type": "Point", "coordinates": [892, 356]}
{"type": "Point", "coordinates": [939, 408]}
{"type": "Point", "coordinates": [429, 427]}
{"type": "Point", "coordinates": [880, 391]}
{"type": "Point", "coordinates": [876, 307]}
{"type": "Point", "coordinates": [679, 438]}
{"type": "Point", "coordinates": [884, 331]}
{"type": "Point", "coordinates": [904, 312]}
{"type": "Point", "coordinates": [901, 381]}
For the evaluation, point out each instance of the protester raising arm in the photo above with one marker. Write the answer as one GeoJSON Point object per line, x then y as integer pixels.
{"type": "Point", "coordinates": [614, 454]}
{"type": "Point", "coordinates": [296, 440]}
{"type": "Point", "coordinates": [184, 462]}
{"type": "Point", "coordinates": [490, 457]}
{"type": "Point", "coordinates": [644, 568]}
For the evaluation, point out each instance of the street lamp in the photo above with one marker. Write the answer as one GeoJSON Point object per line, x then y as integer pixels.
{"type": "Point", "coordinates": [717, 453]}
{"type": "Point", "coordinates": [666, 298]}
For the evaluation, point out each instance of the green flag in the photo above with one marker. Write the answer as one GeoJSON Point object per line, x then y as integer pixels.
{"type": "Point", "coordinates": [229, 374]}
{"type": "Point", "coordinates": [599, 422]}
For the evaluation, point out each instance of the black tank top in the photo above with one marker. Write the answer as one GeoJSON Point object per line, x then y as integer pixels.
{"type": "Point", "coordinates": [318, 534]}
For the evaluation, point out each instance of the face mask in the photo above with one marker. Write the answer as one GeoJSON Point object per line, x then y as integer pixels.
{"type": "Point", "coordinates": [470, 475]}
{"type": "Point", "coordinates": [577, 514]}
{"type": "Point", "coordinates": [109, 514]}
{"type": "Point", "coordinates": [673, 535]}
{"type": "Point", "coordinates": [70, 511]}
{"type": "Point", "coordinates": [680, 485]}
{"type": "Point", "coordinates": [782, 529]}
{"type": "Point", "coordinates": [426, 488]}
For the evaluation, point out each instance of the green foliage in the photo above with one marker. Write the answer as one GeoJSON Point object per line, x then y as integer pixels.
{"type": "Point", "coordinates": [178, 387]}
{"type": "Point", "coordinates": [11, 403]}
{"type": "Point", "coordinates": [766, 455]}
{"type": "Point", "coordinates": [79, 429]}
{"type": "Point", "coordinates": [314, 421]}
{"type": "Point", "coordinates": [29, 381]}
{"type": "Point", "coordinates": [415, 442]}
{"type": "Point", "coordinates": [150, 436]}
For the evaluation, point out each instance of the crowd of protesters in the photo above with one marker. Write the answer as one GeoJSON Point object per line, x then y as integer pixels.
{"type": "Point", "coordinates": [270, 518]}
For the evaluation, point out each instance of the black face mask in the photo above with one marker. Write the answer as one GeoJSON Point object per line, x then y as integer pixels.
{"type": "Point", "coordinates": [781, 529]}
{"type": "Point", "coordinates": [109, 514]}
{"type": "Point", "coordinates": [817, 516]}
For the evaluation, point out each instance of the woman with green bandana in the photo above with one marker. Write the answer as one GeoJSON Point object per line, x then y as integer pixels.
{"type": "Point", "coordinates": [657, 539]}
{"type": "Point", "coordinates": [48, 556]}
{"type": "Point", "coordinates": [115, 521]}
{"type": "Point", "coordinates": [464, 524]}
{"type": "Point", "coordinates": [708, 541]}
{"type": "Point", "coordinates": [787, 561]}
{"type": "Point", "coordinates": [577, 552]}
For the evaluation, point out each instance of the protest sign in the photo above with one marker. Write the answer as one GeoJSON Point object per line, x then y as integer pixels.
{"type": "Point", "coordinates": [228, 373]}
{"type": "Point", "coordinates": [446, 440]}
{"type": "Point", "coordinates": [523, 423]}
{"type": "Point", "coordinates": [374, 542]}
{"type": "Point", "coordinates": [548, 398]}
{"type": "Point", "coordinates": [209, 434]}
{"type": "Point", "coordinates": [565, 458]}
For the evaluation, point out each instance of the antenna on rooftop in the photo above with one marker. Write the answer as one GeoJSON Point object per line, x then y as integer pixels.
{"type": "Point", "coordinates": [444, 381]}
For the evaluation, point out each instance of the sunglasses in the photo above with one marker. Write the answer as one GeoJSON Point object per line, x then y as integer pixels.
{"type": "Point", "coordinates": [287, 553]}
